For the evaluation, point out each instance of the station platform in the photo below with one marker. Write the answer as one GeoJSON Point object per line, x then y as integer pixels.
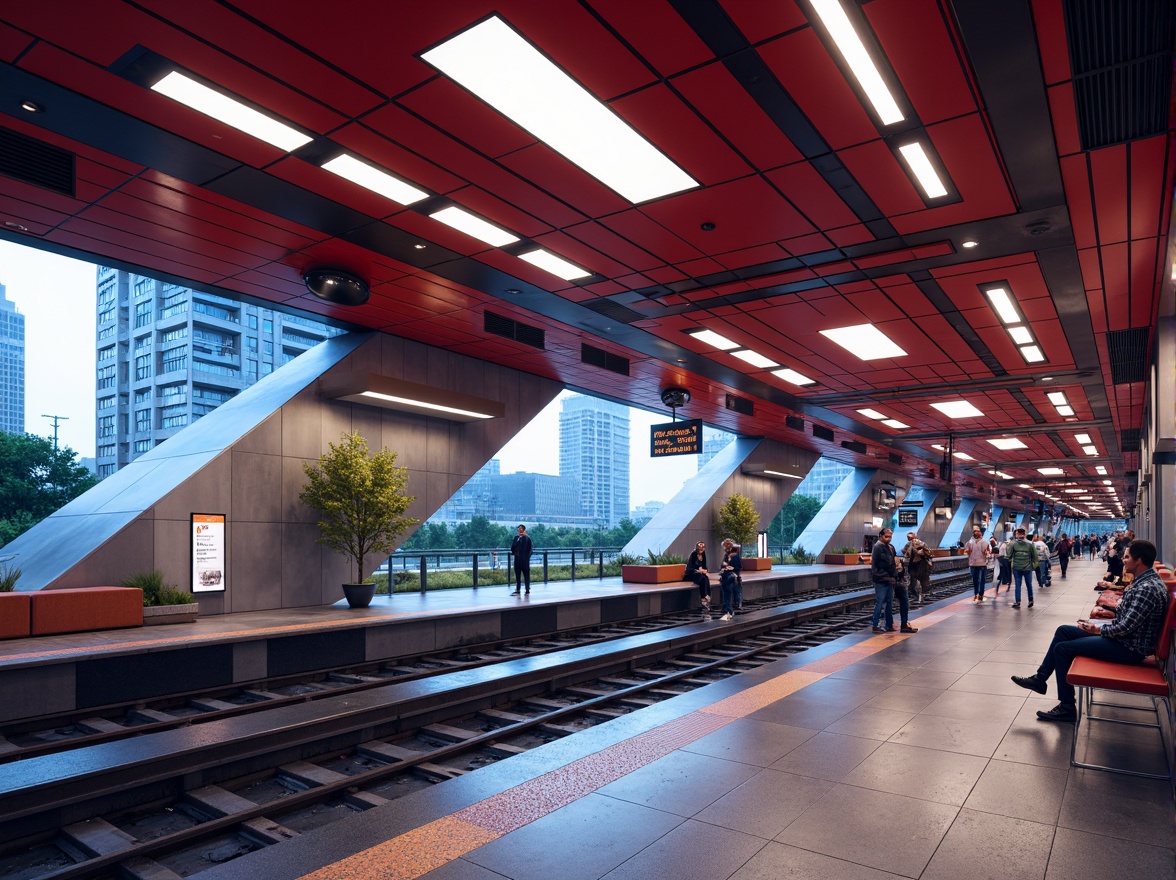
{"type": "Point", "coordinates": [77, 671]}
{"type": "Point", "coordinates": [872, 756]}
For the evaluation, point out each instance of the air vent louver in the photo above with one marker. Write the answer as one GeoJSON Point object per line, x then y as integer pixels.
{"type": "Point", "coordinates": [516, 330]}
{"type": "Point", "coordinates": [854, 446]}
{"type": "Point", "coordinates": [822, 433]}
{"type": "Point", "coordinates": [740, 405]}
{"type": "Point", "coordinates": [598, 357]}
{"type": "Point", "coordinates": [1120, 58]}
{"type": "Point", "coordinates": [614, 311]}
{"type": "Point", "coordinates": [894, 458]}
{"type": "Point", "coordinates": [36, 162]}
{"type": "Point", "coordinates": [1127, 350]}
{"type": "Point", "coordinates": [796, 423]}
{"type": "Point", "coordinates": [1129, 440]}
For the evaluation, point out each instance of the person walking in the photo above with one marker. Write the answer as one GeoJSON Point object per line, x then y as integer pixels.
{"type": "Point", "coordinates": [521, 549]}
{"type": "Point", "coordinates": [1004, 570]}
{"type": "Point", "coordinates": [918, 565]}
{"type": "Point", "coordinates": [730, 586]}
{"type": "Point", "coordinates": [1022, 557]}
{"type": "Point", "coordinates": [1043, 575]}
{"type": "Point", "coordinates": [1063, 547]}
{"type": "Point", "coordinates": [977, 553]}
{"type": "Point", "coordinates": [1093, 547]}
{"type": "Point", "coordinates": [696, 571]}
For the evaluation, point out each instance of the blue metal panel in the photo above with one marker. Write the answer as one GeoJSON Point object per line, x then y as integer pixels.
{"type": "Point", "coordinates": [829, 518]}
{"type": "Point", "coordinates": [997, 513]}
{"type": "Point", "coordinates": [961, 519]}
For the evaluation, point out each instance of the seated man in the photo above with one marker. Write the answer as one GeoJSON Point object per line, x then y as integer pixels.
{"type": "Point", "coordinates": [1128, 638]}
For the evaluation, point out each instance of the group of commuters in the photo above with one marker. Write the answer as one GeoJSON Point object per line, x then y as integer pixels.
{"type": "Point", "coordinates": [730, 577]}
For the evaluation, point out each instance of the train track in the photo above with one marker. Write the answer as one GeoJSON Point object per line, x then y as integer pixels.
{"type": "Point", "coordinates": [198, 816]}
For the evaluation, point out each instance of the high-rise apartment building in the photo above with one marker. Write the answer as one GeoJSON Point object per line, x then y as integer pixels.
{"type": "Point", "coordinates": [12, 367]}
{"type": "Point", "coordinates": [594, 449]}
{"type": "Point", "coordinates": [168, 355]}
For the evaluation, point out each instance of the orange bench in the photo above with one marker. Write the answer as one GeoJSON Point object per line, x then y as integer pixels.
{"type": "Point", "coordinates": [14, 615]}
{"type": "Point", "coordinates": [84, 609]}
{"type": "Point", "coordinates": [1149, 679]}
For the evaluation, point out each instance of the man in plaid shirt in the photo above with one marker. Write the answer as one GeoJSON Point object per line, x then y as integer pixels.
{"type": "Point", "coordinates": [1129, 638]}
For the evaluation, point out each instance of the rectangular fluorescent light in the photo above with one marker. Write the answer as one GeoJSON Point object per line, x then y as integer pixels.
{"type": "Point", "coordinates": [963, 456]}
{"type": "Point", "coordinates": [712, 338]}
{"type": "Point", "coordinates": [1057, 398]}
{"type": "Point", "coordinates": [755, 359]}
{"type": "Point", "coordinates": [923, 170]}
{"type": "Point", "coordinates": [557, 266]}
{"type": "Point", "coordinates": [871, 414]}
{"type": "Point", "coordinates": [426, 405]}
{"type": "Point", "coordinates": [1065, 410]}
{"type": "Point", "coordinates": [894, 423]}
{"type": "Point", "coordinates": [1073, 491]}
{"type": "Point", "coordinates": [1090, 450]}
{"type": "Point", "coordinates": [499, 66]}
{"type": "Point", "coordinates": [850, 45]}
{"type": "Point", "coordinates": [1051, 471]}
{"type": "Point", "coordinates": [1082, 439]}
{"type": "Point", "coordinates": [1021, 335]}
{"type": "Point", "coordinates": [231, 112]}
{"type": "Point", "coordinates": [1032, 354]}
{"type": "Point", "coordinates": [464, 221]}
{"type": "Point", "coordinates": [378, 181]}
{"type": "Point", "coordinates": [957, 409]}
{"type": "Point", "coordinates": [1007, 443]}
{"type": "Point", "coordinates": [864, 340]}
{"type": "Point", "coordinates": [1000, 475]}
{"type": "Point", "coordinates": [782, 474]}
{"type": "Point", "coordinates": [389, 393]}
{"type": "Point", "coordinates": [793, 377]}
{"type": "Point", "coordinates": [1005, 310]}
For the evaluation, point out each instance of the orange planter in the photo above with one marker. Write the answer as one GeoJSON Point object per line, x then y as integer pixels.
{"type": "Point", "coordinates": [757, 563]}
{"type": "Point", "coordinates": [653, 574]}
{"type": "Point", "coordinates": [843, 559]}
{"type": "Point", "coordinates": [14, 615]}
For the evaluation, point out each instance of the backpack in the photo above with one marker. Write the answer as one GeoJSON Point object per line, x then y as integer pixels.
{"type": "Point", "coordinates": [1022, 554]}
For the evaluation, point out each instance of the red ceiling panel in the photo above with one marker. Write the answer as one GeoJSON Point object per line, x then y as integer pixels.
{"type": "Point", "coordinates": [1051, 38]}
{"type": "Point", "coordinates": [655, 33]}
{"type": "Point", "coordinates": [922, 52]}
{"type": "Point", "coordinates": [876, 169]}
{"type": "Point", "coordinates": [806, 189]}
{"type": "Point", "coordinates": [582, 255]}
{"type": "Point", "coordinates": [470, 120]}
{"type": "Point", "coordinates": [1143, 282]}
{"type": "Point", "coordinates": [1075, 176]}
{"type": "Point", "coordinates": [719, 97]}
{"type": "Point", "coordinates": [563, 180]}
{"type": "Point", "coordinates": [1116, 283]}
{"type": "Point", "coordinates": [814, 81]}
{"type": "Point", "coordinates": [765, 253]}
{"type": "Point", "coordinates": [34, 216]}
{"type": "Point", "coordinates": [395, 159]}
{"type": "Point", "coordinates": [1108, 172]}
{"type": "Point", "coordinates": [759, 21]}
{"type": "Point", "coordinates": [847, 235]}
{"type": "Point", "coordinates": [806, 244]}
{"type": "Point", "coordinates": [652, 236]}
{"type": "Point", "coordinates": [1149, 159]}
{"type": "Point", "coordinates": [1065, 119]}
{"type": "Point", "coordinates": [12, 42]}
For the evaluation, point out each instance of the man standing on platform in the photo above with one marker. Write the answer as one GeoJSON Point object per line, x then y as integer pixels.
{"type": "Point", "coordinates": [520, 549]}
{"type": "Point", "coordinates": [1129, 638]}
{"type": "Point", "coordinates": [918, 563]}
{"type": "Point", "coordinates": [977, 550]}
{"type": "Point", "coordinates": [1022, 557]}
{"type": "Point", "coordinates": [885, 572]}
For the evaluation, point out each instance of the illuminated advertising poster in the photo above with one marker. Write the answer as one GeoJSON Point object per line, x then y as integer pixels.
{"type": "Point", "coordinates": [208, 553]}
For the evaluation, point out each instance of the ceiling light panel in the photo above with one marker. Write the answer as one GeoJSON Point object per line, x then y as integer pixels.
{"type": "Point", "coordinates": [464, 221]}
{"type": "Point", "coordinates": [916, 158]}
{"type": "Point", "coordinates": [499, 66]}
{"type": "Point", "coordinates": [1021, 335]}
{"type": "Point", "coordinates": [1090, 450]}
{"type": "Point", "coordinates": [1007, 443]}
{"type": "Point", "coordinates": [755, 359]}
{"type": "Point", "coordinates": [1083, 439]}
{"type": "Point", "coordinates": [375, 179]}
{"type": "Point", "coordinates": [895, 423]}
{"type": "Point", "coordinates": [1003, 304]}
{"type": "Point", "coordinates": [1065, 410]}
{"type": "Point", "coordinates": [864, 340]}
{"type": "Point", "coordinates": [850, 45]}
{"type": "Point", "coordinates": [963, 456]}
{"type": "Point", "coordinates": [957, 409]}
{"type": "Point", "coordinates": [1032, 354]}
{"type": "Point", "coordinates": [794, 377]}
{"type": "Point", "coordinates": [1051, 471]}
{"type": "Point", "coordinates": [558, 266]}
{"type": "Point", "coordinates": [1057, 398]}
{"type": "Point", "coordinates": [871, 414]}
{"type": "Point", "coordinates": [230, 111]}
{"type": "Point", "coordinates": [713, 339]}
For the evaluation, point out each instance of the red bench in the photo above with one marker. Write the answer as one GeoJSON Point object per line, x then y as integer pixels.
{"type": "Point", "coordinates": [84, 609]}
{"type": "Point", "coordinates": [1149, 679]}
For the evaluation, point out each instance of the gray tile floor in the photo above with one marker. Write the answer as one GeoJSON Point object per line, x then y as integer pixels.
{"type": "Point", "coordinates": [920, 761]}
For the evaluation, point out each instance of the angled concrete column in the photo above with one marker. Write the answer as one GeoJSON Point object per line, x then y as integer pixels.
{"type": "Point", "coordinates": [689, 517]}
{"type": "Point", "coordinates": [839, 523]}
{"type": "Point", "coordinates": [994, 522]}
{"type": "Point", "coordinates": [961, 521]}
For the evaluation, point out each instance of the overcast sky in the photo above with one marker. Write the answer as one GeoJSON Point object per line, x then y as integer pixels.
{"type": "Point", "coordinates": [56, 296]}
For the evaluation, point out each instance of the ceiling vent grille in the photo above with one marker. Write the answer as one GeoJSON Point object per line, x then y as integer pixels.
{"type": "Point", "coordinates": [36, 162]}
{"type": "Point", "coordinates": [1129, 440]}
{"type": "Point", "coordinates": [823, 433]}
{"type": "Point", "coordinates": [1127, 350]}
{"type": "Point", "coordinates": [598, 357]}
{"type": "Point", "coordinates": [894, 458]}
{"type": "Point", "coordinates": [614, 311]}
{"type": "Point", "coordinates": [740, 405]}
{"type": "Point", "coordinates": [796, 423]}
{"type": "Point", "coordinates": [516, 330]}
{"type": "Point", "coordinates": [1121, 62]}
{"type": "Point", "coordinates": [854, 446]}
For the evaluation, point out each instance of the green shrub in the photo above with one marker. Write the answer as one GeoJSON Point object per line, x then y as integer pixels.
{"type": "Point", "coordinates": [9, 575]}
{"type": "Point", "coordinates": [846, 549]}
{"type": "Point", "coordinates": [800, 556]}
{"type": "Point", "coordinates": [156, 591]}
{"type": "Point", "coordinates": [666, 558]}
{"type": "Point", "coordinates": [628, 559]}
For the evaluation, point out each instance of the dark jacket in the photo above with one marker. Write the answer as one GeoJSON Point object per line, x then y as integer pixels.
{"type": "Point", "coordinates": [521, 548]}
{"type": "Point", "coordinates": [695, 562]}
{"type": "Point", "coordinates": [735, 560]}
{"type": "Point", "coordinates": [882, 568]}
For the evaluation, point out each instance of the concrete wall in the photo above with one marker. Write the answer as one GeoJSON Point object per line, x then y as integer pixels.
{"type": "Point", "coordinates": [245, 460]}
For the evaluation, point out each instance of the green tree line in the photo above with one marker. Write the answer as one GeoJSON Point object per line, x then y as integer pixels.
{"type": "Point", "coordinates": [480, 533]}
{"type": "Point", "coordinates": [35, 480]}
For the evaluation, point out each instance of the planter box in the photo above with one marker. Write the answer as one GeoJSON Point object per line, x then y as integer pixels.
{"type": "Point", "coordinates": [14, 615]}
{"type": "Point", "coordinates": [161, 614]}
{"type": "Point", "coordinates": [757, 563]}
{"type": "Point", "coordinates": [844, 559]}
{"type": "Point", "coordinates": [653, 574]}
{"type": "Point", "coordinates": [939, 553]}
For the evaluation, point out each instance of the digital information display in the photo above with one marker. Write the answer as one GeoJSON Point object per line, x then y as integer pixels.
{"type": "Point", "coordinates": [907, 518]}
{"type": "Point", "coordinates": [675, 438]}
{"type": "Point", "coordinates": [208, 553]}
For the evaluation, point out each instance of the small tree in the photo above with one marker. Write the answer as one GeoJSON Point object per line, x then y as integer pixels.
{"type": "Point", "coordinates": [360, 499]}
{"type": "Point", "coordinates": [738, 519]}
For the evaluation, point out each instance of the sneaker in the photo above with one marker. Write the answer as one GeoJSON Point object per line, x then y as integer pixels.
{"type": "Point", "coordinates": [515, 593]}
{"type": "Point", "coordinates": [1030, 682]}
{"type": "Point", "coordinates": [979, 598]}
{"type": "Point", "coordinates": [975, 598]}
{"type": "Point", "coordinates": [1030, 603]}
{"type": "Point", "coordinates": [1060, 712]}
{"type": "Point", "coordinates": [906, 628]}
{"type": "Point", "coordinates": [1015, 605]}
{"type": "Point", "coordinates": [726, 616]}
{"type": "Point", "coordinates": [877, 629]}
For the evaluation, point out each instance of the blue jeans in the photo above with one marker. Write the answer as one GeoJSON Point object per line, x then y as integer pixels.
{"type": "Point", "coordinates": [883, 599]}
{"type": "Point", "coordinates": [731, 592]}
{"type": "Point", "coordinates": [979, 579]}
{"type": "Point", "coordinates": [1042, 572]}
{"type": "Point", "coordinates": [1070, 642]}
{"type": "Point", "coordinates": [1027, 577]}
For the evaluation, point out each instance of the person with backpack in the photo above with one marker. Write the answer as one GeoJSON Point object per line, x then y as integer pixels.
{"type": "Point", "coordinates": [1063, 547]}
{"type": "Point", "coordinates": [1043, 567]}
{"type": "Point", "coordinates": [1022, 556]}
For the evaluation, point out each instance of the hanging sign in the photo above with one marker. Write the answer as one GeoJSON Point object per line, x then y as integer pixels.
{"type": "Point", "coordinates": [675, 438]}
{"type": "Point", "coordinates": [907, 518]}
{"type": "Point", "coordinates": [208, 553]}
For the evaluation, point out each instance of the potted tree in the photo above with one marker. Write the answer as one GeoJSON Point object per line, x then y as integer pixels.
{"type": "Point", "coordinates": [844, 556]}
{"type": "Point", "coordinates": [361, 503]}
{"type": "Point", "coordinates": [738, 520]}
